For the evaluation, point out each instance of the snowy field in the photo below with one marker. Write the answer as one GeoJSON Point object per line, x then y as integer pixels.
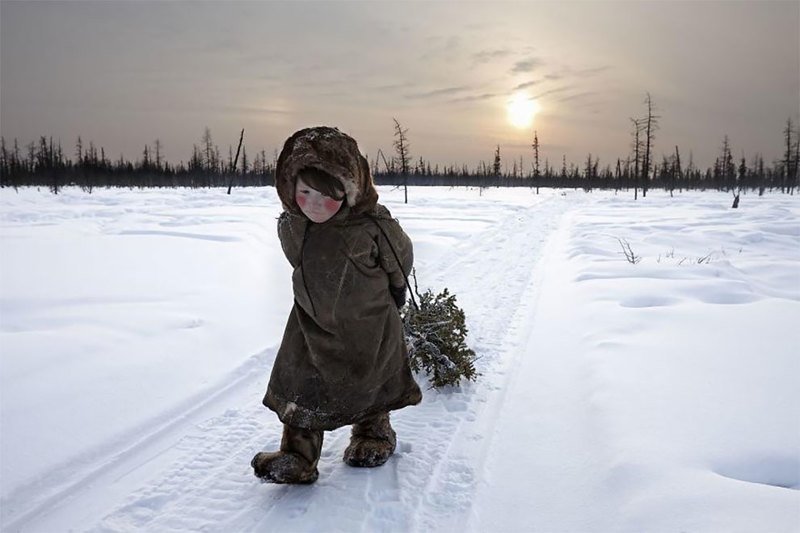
{"type": "Point", "coordinates": [138, 328]}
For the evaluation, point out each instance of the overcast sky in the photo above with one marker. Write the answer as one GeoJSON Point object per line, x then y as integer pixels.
{"type": "Point", "coordinates": [123, 74]}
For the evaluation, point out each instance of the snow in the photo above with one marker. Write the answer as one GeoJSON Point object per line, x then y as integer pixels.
{"type": "Point", "coordinates": [137, 330]}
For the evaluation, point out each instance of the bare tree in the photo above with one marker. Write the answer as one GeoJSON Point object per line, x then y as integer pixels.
{"type": "Point", "coordinates": [637, 151]}
{"type": "Point", "coordinates": [650, 127]}
{"type": "Point", "coordinates": [245, 162]}
{"type": "Point", "coordinates": [677, 171]}
{"type": "Point", "coordinates": [420, 167]}
{"type": "Point", "coordinates": [79, 150]}
{"type": "Point", "coordinates": [726, 170]}
{"type": "Point", "coordinates": [4, 160]}
{"type": "Point", "coordinates": [146, 158]}
{"type": "Point", "coordinates": [535, 147]}
{"type": "Point", "coordinates": [388, 166]}
{"type": "Point", "coordinates": [796, 162]}
{"type": "Point", "coordinates": [158, 154]}
{"type": "Point", "coordinates": [209, 152]}
{"type": "Point", "coordinates": [403, 154]}
{"type": "Point", "coordinates": [196, 161]}
{"type": "Point", "coordinates": [789, 163]}
{"type": "Point", "coordinates": [233, 163]}
{"type": "Point", "coordinates": [741, 179]}
{"type": "Point", "coordinates": [590, 167]}
{"type": "Point", "coordinates": [496, 168]}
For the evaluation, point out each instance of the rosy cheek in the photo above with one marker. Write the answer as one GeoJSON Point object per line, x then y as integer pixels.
{"type": "Point", "coordinates": [301, 201]}
{"type": "Point", "coordinates": [332, 205]}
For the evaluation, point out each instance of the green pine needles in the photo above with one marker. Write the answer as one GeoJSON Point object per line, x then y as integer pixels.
{"type": "Point", "coordinates": [435, 336]}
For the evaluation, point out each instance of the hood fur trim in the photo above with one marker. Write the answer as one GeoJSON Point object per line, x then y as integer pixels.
{"type": "Point", "coordinates": [331, 151]}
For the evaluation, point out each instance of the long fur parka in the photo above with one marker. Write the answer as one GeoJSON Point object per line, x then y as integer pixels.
{"type": "Point", "coordinates": [343, 356]}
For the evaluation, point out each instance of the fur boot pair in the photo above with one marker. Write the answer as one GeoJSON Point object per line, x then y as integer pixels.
{"type": "Point", "coordinates": [372, 442]}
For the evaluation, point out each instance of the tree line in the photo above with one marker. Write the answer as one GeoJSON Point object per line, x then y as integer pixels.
{"type": "Point", "coordinates": [670, 173]}
{"type": "Point", "coordinates": [638, 171]}
{"type": "Point", "coordinates": [45, 163]}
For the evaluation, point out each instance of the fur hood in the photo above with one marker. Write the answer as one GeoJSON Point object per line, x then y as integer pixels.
{"type": "Point", "coordinates": [331, 151]}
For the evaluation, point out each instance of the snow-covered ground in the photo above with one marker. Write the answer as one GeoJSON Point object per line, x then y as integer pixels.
{"type": "Point", "coordinates": [137, 331]}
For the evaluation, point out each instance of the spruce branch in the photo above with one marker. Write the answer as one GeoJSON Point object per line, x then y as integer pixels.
{"type": "Point", "coordinates": [435, 334]}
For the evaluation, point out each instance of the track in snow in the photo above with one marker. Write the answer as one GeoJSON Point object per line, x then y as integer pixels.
{"type": "Point", "coordinates": [194, 472]}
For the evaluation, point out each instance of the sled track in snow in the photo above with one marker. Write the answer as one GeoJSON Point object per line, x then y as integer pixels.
{"type": "Point", "coordinates": [38, 503]}
{"type": "Point", "coordinates": [200, 477]}
{"type": "Point", "coordinates": [501, 303]}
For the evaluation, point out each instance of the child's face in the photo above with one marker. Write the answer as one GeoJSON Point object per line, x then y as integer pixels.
{"type": "Point", "coordinates": [315, 205]}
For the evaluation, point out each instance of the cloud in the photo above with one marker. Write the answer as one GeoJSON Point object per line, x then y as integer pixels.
{"type": "Point", "coordinates": [473, 98]}
{"type": "Point", "coordinates": [589, 72]}
{"type": "Point", "coordinates": [553, 91]}
{"type": "Point", "coordinates": [443, 48]}
{"type": "Point", "coordinates": [568, 72]}
{"type": "Point", "coordinates": [526, 85]}
{"type": "Point", "coordinates": [486, 56]}
{"type": "Point", "coordinates": [392, 86]}
{"type": "Point", "coordinates": [527, 65]}
{"type": "Point", "coordinates": [578, 96]}
{"type": "Point", "coordinates": [437, 92]}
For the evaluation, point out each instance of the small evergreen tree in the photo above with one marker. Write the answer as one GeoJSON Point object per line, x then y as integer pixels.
{"type": "Point", "coordinates": [435, 335]}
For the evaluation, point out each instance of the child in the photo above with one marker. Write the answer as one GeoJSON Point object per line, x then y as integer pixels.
{"type": "Point", "coordinates": [343, 358]}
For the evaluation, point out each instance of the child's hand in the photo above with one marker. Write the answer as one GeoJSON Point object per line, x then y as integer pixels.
{"type": "Point", "coordinates": [398, 295]}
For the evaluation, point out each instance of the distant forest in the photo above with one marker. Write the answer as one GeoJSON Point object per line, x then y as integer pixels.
{"type": "Point", "coordinates": [45, 163]}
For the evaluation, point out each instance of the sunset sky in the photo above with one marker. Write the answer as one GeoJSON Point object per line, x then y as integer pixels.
{"type": "Point", "coordinates": [123, 74]}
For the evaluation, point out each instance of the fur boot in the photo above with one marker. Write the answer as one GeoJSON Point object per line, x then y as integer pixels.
{"type": "Point", "coordinates": [372, 441]}
{"type": "Point", "coordinates": [296, 462]}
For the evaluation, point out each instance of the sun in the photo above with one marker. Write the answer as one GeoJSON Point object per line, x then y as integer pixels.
{"type": "Point", "coordinates": [521, 110]}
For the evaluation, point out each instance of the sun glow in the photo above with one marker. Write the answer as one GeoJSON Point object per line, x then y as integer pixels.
{"type": "Point", "coordinates": [521, 110]}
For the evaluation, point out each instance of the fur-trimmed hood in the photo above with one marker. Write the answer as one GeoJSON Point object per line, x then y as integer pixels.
{"type": "Point", "coordinates": [330, 151]}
